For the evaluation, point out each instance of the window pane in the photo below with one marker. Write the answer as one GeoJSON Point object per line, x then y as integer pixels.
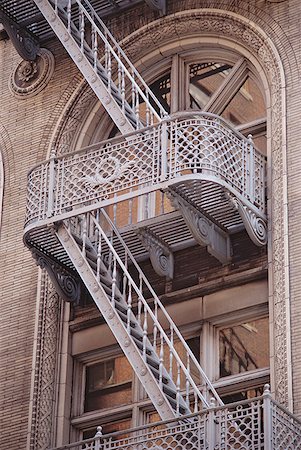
{"type": "Point", "coordinates": [243, 395]}
{"type": "Point", "coordinates": [108, 384]}
{"type": "Point", "coordinates": [244, 347]}
{"type": "Point", "coordinates": [108, 428]}
{"type": "Point", "coordinates": [204, 80]}
{"type": "Point", "coordinates": [247, 105]}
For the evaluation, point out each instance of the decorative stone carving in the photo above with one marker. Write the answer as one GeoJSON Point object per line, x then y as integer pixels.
{"type": "Point", "coordinates": [46, 366]}
{"type": "Point", "coordinates": [30, 77]}
{"type": "Point", "coordinates": [24, 42]}
{"type": "Point", "coordinates": [255, 226]}
{"type": "Point", "coordinates": [160, 254]}
{"type": "Point", "coordinates": [206, 233]}
{"type": "Point", "coordinates": [66, 285]}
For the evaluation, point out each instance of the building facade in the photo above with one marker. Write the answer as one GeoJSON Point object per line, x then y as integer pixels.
{"type": "Point", "coordinates": [202, 182]}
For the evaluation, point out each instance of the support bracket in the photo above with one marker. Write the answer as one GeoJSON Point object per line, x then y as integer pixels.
{"type": "Point", "coordinates": [67, 286]}
{"type": "Point", "coordinates": [160, 254]}
{"type": "Point", "coordinates": [255, 225]}
{"type": "Point", "coordinates": [26, 44]}
{"type": "Point", "coordinates": [205, 232]}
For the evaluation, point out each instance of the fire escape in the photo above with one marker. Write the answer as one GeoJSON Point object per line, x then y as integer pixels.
{"type": "Point", "coordinates": [206, 180]}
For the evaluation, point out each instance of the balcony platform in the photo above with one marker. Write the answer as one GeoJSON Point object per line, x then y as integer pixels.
{"type": "Point", "coordinates": [195, 177]}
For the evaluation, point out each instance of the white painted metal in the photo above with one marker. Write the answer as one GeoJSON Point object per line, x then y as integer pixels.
{"type": "Point", "coordinates": [139, 317]}
{"type": "Point", "coordinates": [204, 157]}
{"type": "Point", "coordinates": [239, 425]}
{"type": "Point", "coordinates": [103, 63]}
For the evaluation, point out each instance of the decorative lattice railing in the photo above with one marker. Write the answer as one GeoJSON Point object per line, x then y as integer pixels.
{"type": "Point", "coordinates": [198, 146]}
{"type": "Point", "coordinates": [255, 424]}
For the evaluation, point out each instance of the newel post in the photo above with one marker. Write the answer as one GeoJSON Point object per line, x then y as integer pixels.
{"type": "Point", "coordinates": [267, 418]}
{"type": "Point", "coordinates": [97, 437]}
{"type": "Point", "coordinates": [51, 183]}
{"type": "Point", "coordinates": [211, 425]}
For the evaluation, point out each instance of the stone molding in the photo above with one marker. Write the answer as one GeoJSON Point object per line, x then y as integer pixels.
{"type": "Point", "coordinates": [46, 366]}
{"type": "Point", "coordinates": [225, 25]}
{"type": "Point", "coordinates": [31, 77]}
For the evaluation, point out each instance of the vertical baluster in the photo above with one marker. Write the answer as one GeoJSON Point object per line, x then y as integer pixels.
{"type": "Point", "coordinates": [129, 309]}
{"type": "Point", "coordinates": [124, 284]}
{"type": "Point", "coordinates": [195, 407]}
{"type": "Point", "coordinates": [133, 90]}
{"type": "Point", "coordinates": [170, 353]}
{"type": "Point", "coordinates": [114, 274]}
{"type": "Point", "coordinates": [82, 30]}
{"type": "Point", "coordinates": [99, 250]}
{"type": "Point", "coordinates": [147, 110]}
{"type": "Point", "coordinates": [69, 16]}
{"type": "Point", "coordinates": [95, 47]}
{"type": "Point", "coordinates": [109, 70]}
{"type": "Point", "coordinates": [178, 386]}
{"type": "Point", "coordinates": [187, 379]}
{"type": "Point", "coordinates": [155, 328]}
{"type": "Point", "coordinates": [110, 256]}
{"type": "Point", "coordinates": [84, 235]}
{"type": "Point", "coordinates": [119, 71]}
{"type": "Point", "coordinates": [122, 88]}
{"type": "Point", "coordinates": [55, 6]}
{"type": "Point", "coordinates": [161, 358]}
{"type": "Point", "coordinates": [144, 342]}
{"type": "Point", "coordinates": [139, 300]}
{"type": "Point", "coordinates": [137, 109]}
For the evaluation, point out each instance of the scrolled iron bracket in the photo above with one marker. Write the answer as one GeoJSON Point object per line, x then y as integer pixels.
{"type": "Point", "coordinates": [205, 232]}
{"type": "Point", "coordinates": [255, 225]}
{"type": "Point", "coordinates": [160, 254]}
{"type": "Point", "coordinates": [67, 286]}
{"type": "Point", "coordinates": [24, 42]}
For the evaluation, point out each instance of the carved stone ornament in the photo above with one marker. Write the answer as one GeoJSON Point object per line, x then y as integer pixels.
{"type": "Point", "coordinates": [30, 77]}
{"type": "Point", "coordinates": [160, 254]}
{"type": "Point", "coordinates": [255, 226]}
{"type": "Point", "coordinates": [66, 285]}
{"type": "Point", "coordinates": [206, 233]}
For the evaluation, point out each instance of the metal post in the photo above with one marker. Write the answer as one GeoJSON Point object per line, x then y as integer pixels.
{"type": "Point", "coordinates": [211, 425]}
{"type": "Point", "coordinates": [97, 438]}
{"type": "Point", "coordinates": [163, 151]}
{"type": "Point", "coordinates": [51, 184]}
{"type": "Point", "coordinates": [267, 418]}
{"type": "Point", "coordinates": [251, 164]}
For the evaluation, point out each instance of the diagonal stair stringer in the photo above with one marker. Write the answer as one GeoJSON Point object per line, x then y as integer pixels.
{"type": "Point", "coordinates": [135, 357]}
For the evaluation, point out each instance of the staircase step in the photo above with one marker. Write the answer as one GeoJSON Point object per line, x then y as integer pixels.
{"type": "Point", "coordinates": [140, 346]}
{"type": "Point", "coordinates": [157, 375]}
{"type": "Point", "coordinates": [124, 319]}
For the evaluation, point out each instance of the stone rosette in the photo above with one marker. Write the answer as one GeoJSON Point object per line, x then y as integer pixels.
{"type": "Point", "coordinates": [31, 77]}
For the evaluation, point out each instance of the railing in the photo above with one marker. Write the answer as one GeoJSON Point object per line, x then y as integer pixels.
{"type": "Point", "coordinates": [119, 69]}
{"type": "Point", "coordinates": [158, 328]}
{"type": "Point", "coordinates": [191, 146]}
{"type": "Point", "coordinates": [257, 424]}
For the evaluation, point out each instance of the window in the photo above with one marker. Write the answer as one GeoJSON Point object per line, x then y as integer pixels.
{"type": "Point", "coordinates": [108, 384]}
{"type": "Point", "coordinates": [244, 347]}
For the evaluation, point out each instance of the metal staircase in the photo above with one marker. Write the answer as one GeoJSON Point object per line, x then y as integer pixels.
{"type": "Point", "coordinates": [206, 169]}
{"type": "Point", "coordinates": [170, 374]}
{"type": "Point", "coordinates": [103, 63]}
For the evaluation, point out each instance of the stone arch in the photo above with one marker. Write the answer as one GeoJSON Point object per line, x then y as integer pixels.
{"type": "Point", "coordinates": [241, 33]}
